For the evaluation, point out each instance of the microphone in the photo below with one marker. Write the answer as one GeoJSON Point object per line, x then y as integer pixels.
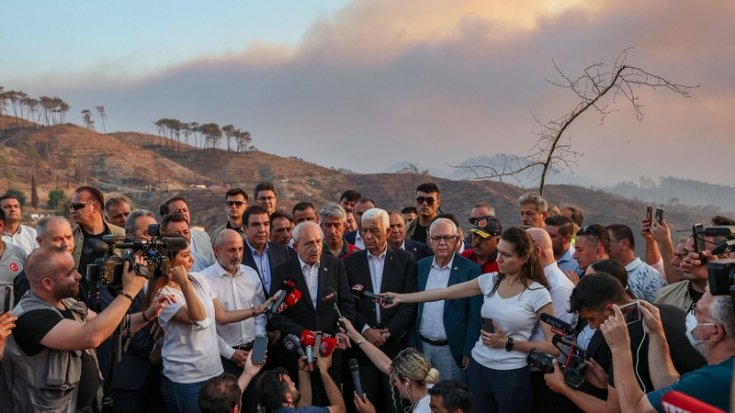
{"type": "Point", "coordinates": [557, 324]}
{"type": "Point", "coordinates": [287, 286]}
{"type": "Point", "coordinates": [307, 341]}
{"type": "Point", "coordinates": [358, 291]}
{"type": "Point", "coordinates": [355, 370]}
{"type": "Point", "coordinates": [292, 344]}
{"type": "Point", "coordinates": [293, 298]}
{"type": "Point", "coordinates": [330, 298]}
{"type": "Point", "coordinates": [329, 343]}
{"type": "Point", "coordinates": [677, 402]}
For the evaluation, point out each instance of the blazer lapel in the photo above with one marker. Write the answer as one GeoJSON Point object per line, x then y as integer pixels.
{"type": "Point", "coordinates": [388, 265]}
{"type": "Point", "coordinates": [367, 279]}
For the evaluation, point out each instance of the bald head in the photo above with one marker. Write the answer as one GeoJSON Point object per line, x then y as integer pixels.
{"type": "Point", "coordinates": [542, 241]}
{"type": "Point", "coordinates": [55, 231]}
{"type": "Point", "coordinates": [228, 248]}
{"type": "Point", "coordinates": [46, 262]}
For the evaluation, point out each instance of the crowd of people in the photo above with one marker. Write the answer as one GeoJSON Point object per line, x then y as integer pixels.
{"type": "Point", "coordinates": [349, 307]}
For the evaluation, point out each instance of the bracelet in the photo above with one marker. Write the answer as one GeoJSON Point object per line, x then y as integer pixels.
{"type": "Point", "coordinates": [146, 319]}
{"type": "Point", "coordinates": [253, 311]}
{"type": "Point", "coordinates": [126, 295]}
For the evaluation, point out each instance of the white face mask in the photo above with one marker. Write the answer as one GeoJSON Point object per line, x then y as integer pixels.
{"type": "Point", "coordinates": [691, 325]}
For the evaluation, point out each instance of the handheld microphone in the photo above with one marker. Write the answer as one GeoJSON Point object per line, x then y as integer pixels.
{"type": "Point", "coordinates": [327, 346]}
{"type": "Point", "coordinates": [292, 344]}
{"type": "Point", "coordinates": [287, 286]}
{"type": "Point", "coordinates": [677, 402]}
{"type": "Point", "coordinates": [355, 370]}
{"type": "Point", "coordinates": [358, 291]}
{"type": "Point", "coordinates": [307, 341]}
{"type": "Point", "coordinates": [293, 298]}
{"type": "Point", "coordinates": [557, 324]}
{"type": "Point", "coordinates": [330, 298]}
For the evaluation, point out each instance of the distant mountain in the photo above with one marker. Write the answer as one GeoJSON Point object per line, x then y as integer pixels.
{"type": "Point", "coordinates": [672, 190]}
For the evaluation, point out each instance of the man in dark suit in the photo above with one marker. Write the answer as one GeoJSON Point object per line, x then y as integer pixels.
{"type": "Point", "coordinates": [313, 274]}
{"type": "Point", "coordinates": [361, 206]}
{"type": "Point", "coordinates": [381, 268]}
{"type": "Point", "coordinates": [398, 238]}
{"type": "Point", "coordinates": [446, 331]}
{"type": "Point", "coordinates": [260, 254]}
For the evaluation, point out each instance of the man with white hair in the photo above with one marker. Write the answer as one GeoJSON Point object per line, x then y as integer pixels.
{"type": "Point", "coordinates": [314, 274]}
{"type": "Point", "coordinates": [381, 268]}
{"type": "Point", "coordinates": [446, 331]}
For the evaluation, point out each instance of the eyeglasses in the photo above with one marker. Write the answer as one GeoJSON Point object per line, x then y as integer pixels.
{"type": "Point", "coordinates": [425, 200]}
{"type": "Point", "coordinates": [234, 203]}
{"type": "Point", "coordinates": [446, 238]}
{"type": "Point", "coordinates": [79, 205]}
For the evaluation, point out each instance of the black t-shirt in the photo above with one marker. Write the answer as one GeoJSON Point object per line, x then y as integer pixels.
{"type": "Point", "coordinates": [32, 327]}
{"type": "Point", "coordinates": [684, 356]}
{"type": "Point", "coordinates": [695, 295]}
{"type": "Point", "coordinates": [419, 234]}
{"type": "Point", "coordinates": [87, 259]}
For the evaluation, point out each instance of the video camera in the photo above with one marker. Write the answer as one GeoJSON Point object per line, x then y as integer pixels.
{"type": "Point", "coordinates": [721, 273]}
{"type": "Point", "coordinates": [566, 341]}
{"type": "Point", "coordinates": [109, 268]}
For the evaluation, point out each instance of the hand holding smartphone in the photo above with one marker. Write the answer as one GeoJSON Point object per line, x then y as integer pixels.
{"type": "Point", "coordinates": [259, 348]}
{"type": "Point", "coordinates": [631, 312]}
{"type": "Point", "coordinates": [487, 325]}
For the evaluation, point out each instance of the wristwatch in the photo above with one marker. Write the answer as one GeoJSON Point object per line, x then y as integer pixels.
{"type": "Point", "coordinates": [509, 344]}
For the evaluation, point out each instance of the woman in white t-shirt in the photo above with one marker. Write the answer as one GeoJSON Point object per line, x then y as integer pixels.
{"type": "Point", "coordinates": [190, 349]}
{"type": "Point", "coordinates": [410, 372]}
{"type": "Point", "coordinates": [498, 375]}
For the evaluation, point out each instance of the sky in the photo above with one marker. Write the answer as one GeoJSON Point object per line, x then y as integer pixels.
{"type": "Point", "coordinates": [367, 84]}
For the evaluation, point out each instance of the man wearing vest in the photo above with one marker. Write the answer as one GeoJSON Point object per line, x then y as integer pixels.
{"type": "Point", "coordinates": [49, 363]}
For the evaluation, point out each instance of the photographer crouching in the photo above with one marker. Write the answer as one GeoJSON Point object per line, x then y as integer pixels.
{"type": "Point", "coordinates": [50, 363]}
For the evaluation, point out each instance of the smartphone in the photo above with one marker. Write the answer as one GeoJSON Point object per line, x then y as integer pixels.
{"type": "Point", "coordinates": [259, 347]}
{"type": "Point", "coordinates": [649, 213]}
{"type": "Point", "coordinates": [7, 298]}
{"type": "Point", "coordinates": [659, 215]}
{"type": "Point", "coordinates": [698, 234]}
{"type": "Point", "coordinates": [631, 312]}
{"type": "Point", "coordinates": [487, 325]}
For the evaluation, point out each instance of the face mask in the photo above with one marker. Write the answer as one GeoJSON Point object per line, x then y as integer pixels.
{"type": "Point", "coordinates": [691, 325]}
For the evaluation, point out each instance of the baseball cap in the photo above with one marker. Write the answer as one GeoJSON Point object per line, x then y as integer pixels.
{"type": "Point", "coordinates": [487, 227]}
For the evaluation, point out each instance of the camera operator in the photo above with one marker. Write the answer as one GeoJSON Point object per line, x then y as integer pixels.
{"type": "Point", "coordinates": [50, 362]}
{"type": "Point", "coordinates": [278, 392]}
{"type": "Point", "coordinates": [710, 329]}
{"type": "Point", "coordinates": [593, 299]}
{"type": "Point", "coordinates": [134, 383]}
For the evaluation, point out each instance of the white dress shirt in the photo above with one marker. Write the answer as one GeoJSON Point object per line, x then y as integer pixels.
{"type": "Point", "coordinates": [311, 276]}
{"type": "Point", "coordinates": [24, 237]}
{"type": "Point", "coordinates": [376, 265]}
{"type": "Point", "coordinates": [241, 291]}
{"type": "Point", "coordinates": [432, 317]}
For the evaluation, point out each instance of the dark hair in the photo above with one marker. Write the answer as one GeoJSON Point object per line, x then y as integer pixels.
{"type": "Point", "coordinates": [577, 215]}
{"type": "Point", "coordinates": [597, 234]}
{"type": "Point", "coordinates": [169, 218]}
{"type": "Point", "coordinates": [302, 206]}
{"type": "Point", "coordinates": [271, 388]}
{"type": "Point", "coordinates": [716, 220]}
{"type": "Point", "coordinates": [428, 187]}
{"type": "Point", "coordinates": [264, 186]}
{"type": "Point", "coordinates": [620, 232]}
{"type": "Point", "coordinates": [163, 209]}
{"type": "Point", "coordinates": [616, 269]}
{"type": "Point", "coordinates": [523, 246]}
{"type": "Point", "coordinates": [219, 394]}
{"type": "Point", "coordinates": [252, 210]}
{"type": "Point", "coordinates": [350, 195]}
{"type": "Point", "coordinates": [409, 210]}
{"type": "Point", "coordinates": [448, 216]}
{"type": "Point", "coordinates": [594, 291]}
{"type": "Point", "coordinates": [8, 196]}
{"type": "Point", "coordinates": [365, 200]}
{"type": "Point", "coordinates": [275, 215]}
{"type": "Point", "coordinates": [2, 216]}
{"type": "Point", "coordinates": [565, 224]}
{"type": "Point", "coordinates": [94, 192]}
{"type": "Point", "coordinates": [236, 191]}
{"type": "Point", "coordinates": [455, 395]}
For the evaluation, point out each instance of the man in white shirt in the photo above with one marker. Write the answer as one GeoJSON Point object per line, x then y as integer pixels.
{"type": "Point", "coordinates": [237, 286]}
{"type": "Point", "coordinates": [14, 232]}
{"type": "Point", "coordinates": [643, 280]}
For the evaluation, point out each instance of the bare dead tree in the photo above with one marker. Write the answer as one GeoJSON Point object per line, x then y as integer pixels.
{"type": "Point", "coordinates": [598, 90]}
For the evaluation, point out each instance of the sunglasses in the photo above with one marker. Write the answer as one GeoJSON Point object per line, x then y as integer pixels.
{"type": "Point", "coordinates": [79, 205]}
{"type": "Point", "coordinates": [234, 203]}
{"type": "Point", "coordinates": [590, 230]}
{"type": "Point", "coordinates": [425, 200]}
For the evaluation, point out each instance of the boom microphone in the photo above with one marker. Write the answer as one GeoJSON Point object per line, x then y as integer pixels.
{"type": "Point", "coordinates": [307, 341]}
{"type": "Point", "coordinates": [330, 297]}
{"type": "Point", "coordinates": [358, 291]}
{"type": "Point", "coordinates": [292, 344]}
{"type": "Point", "coordinates": [355, 370]}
